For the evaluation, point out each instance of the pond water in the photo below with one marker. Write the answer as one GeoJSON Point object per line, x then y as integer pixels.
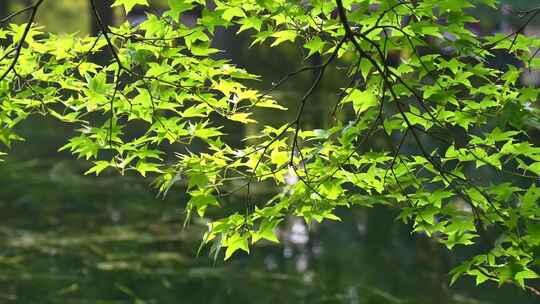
{"type": "Point", "coordinates": [69, 238]}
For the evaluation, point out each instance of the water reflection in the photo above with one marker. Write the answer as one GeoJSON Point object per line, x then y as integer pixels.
{"type": "Point", "coordinates": [109, 240]}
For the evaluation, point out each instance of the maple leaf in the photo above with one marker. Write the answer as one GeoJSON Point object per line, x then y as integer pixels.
{"type": "Point", "coordinates": [129, 4]}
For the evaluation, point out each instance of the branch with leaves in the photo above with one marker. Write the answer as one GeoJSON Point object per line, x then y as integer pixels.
{"type": "Point", "coordinates": [457, 156]}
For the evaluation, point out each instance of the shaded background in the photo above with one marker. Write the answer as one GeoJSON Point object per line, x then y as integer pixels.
{"type": "Point", "coordinates": [69, 238]}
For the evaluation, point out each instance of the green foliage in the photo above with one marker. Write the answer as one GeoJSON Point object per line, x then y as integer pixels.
{"type": "Point", "coordinates": [448, 119]}
{"type": "Point", "coordinates": [129, 4]}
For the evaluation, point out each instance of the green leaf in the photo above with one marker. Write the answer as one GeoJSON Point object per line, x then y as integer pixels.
{"type": "Point", "coordinates": [279, 158]}
{"type": "Point", "coordinates": [535, 168]}
{"type": "Point", "coordinates": [365, 67]}
{"type": "Point", "coordinates": [236, 242]}
{"type": "Point", "coordinates": [177, 7]}
{"type": "Point", "coordinates": [282, 36]}
{"type": "Point", "coordinates": [361, 100]}
{"type": "Point", "coordinates": [204, 200]}
{"type": "Point", "coordinates": [242, 117]}
{"type": "Point", "coordinates": [315, 46]}
{"type": "Point", "coordinates": [129, 4]}
{"type": "Point", "coordinates": [98, 167]}
{"type": "Point", "coordinates": [524, 275]}
{"type": "Point", "coordinates": [250, 23]}
{"type": "Point", "coordinates": [144, 167]}
{"type": "Point", "coordinates": [232, 12]}
{"type": "Point", "coordinates": [266, 231]}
